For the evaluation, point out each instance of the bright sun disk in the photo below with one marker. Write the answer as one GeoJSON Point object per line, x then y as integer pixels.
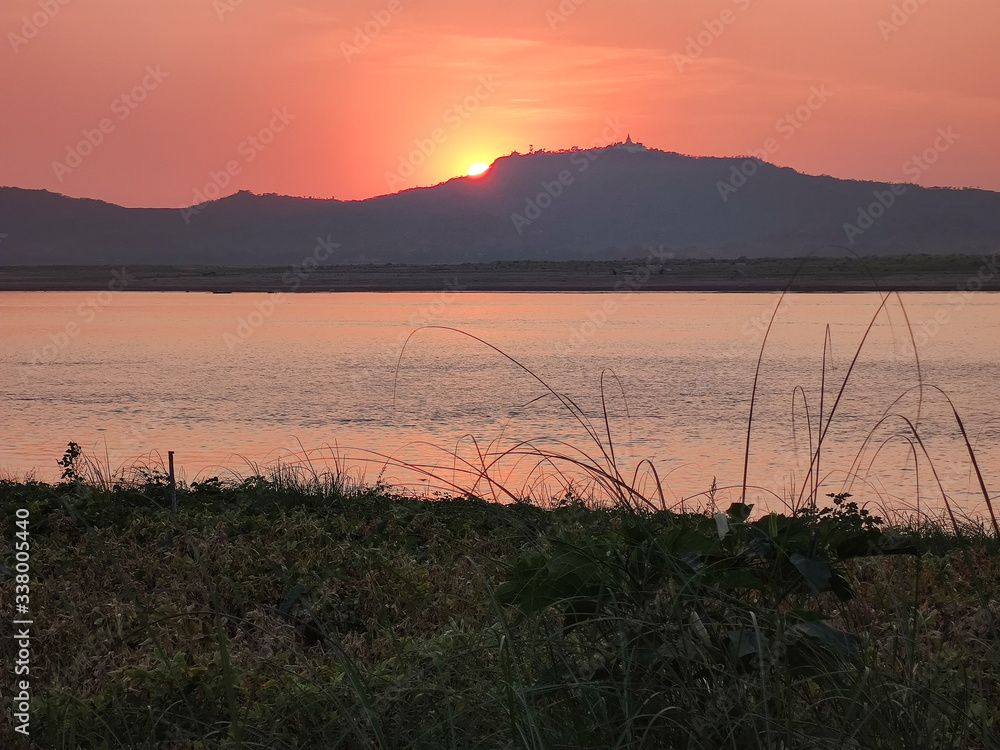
{"type": "Point", "coordinates": [478, 168]}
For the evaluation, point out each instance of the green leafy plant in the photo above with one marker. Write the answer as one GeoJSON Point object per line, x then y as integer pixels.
{"type": "Point", "coordinates": [70, 470]}
{"type": "Point", "coordinates": [658, 599]}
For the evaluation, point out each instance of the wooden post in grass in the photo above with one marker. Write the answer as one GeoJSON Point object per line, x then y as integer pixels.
{"type": "Point", "coordinates": [173, 484]}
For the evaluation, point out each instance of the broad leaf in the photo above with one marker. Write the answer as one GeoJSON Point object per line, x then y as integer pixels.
{"type": "Point", "coordinates": [815, 572]}
{"type": "Point", "coordinates": [722, 524]}
{"type": "Point", "coordinates": [739, 512]}
{"type": "Point", "coordinates": [746, 642]}
{"type": "Point", "coordinates": [876, 543]}
{"type": "Point", "coordinates": [837, 640]}
{"type": "Point", "coordinates": [841, 586]}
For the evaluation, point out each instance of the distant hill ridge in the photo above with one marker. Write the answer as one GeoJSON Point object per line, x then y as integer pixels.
{"type": "Point", "coordinates": [601, 203]}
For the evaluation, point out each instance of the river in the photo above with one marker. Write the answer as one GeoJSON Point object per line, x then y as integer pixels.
{"type": "Point", "coordinates": [235, 382]}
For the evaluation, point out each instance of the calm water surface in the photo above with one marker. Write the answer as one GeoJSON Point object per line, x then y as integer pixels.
{"type": "Point", "coordinates": [224, 380]}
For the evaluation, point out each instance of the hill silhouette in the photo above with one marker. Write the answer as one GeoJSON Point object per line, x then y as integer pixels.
{"type": "Point", "coordinates": [568, 205]}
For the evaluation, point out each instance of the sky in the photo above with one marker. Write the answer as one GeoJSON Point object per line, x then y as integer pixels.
{"type": "Point", "coordinates": [171, 102]}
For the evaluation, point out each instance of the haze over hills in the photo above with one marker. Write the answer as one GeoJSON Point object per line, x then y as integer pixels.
{"type": "Point", "coordinates": [571, 205]}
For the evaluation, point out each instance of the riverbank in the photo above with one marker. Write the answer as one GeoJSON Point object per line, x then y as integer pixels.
{"type": "Point", "coordinates": [298, 611]}
{"type": "Point", "coordinates": [905, 273]}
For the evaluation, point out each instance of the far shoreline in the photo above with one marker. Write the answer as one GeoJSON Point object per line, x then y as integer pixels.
{"type": "Point", "coordinates": [920, 273]}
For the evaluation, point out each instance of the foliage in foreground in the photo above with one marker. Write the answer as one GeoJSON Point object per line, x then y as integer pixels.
{"type": "Point", "coordinates": [270, 615]}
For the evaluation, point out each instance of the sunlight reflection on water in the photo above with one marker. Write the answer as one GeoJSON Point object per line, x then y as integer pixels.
{"type": "Point", "coordinates": [153, 372]}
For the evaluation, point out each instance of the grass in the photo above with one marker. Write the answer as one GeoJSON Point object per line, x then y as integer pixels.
{"type": "Point", "coordinates": [270, 613]}
{"type": "Point", "coordinates": [297, 607]}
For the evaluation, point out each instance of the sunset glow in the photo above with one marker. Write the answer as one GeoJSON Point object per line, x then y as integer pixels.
{"type": "Point", "coordinates": [144, 104]}
{"type": "Point", "coordinates": [476, 373]}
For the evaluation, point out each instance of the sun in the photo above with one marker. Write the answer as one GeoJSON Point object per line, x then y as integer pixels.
{"type": "Point", "coordinates": [478, 168]}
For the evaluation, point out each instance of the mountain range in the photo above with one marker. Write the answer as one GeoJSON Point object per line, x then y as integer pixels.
{"type": "Point", "coordinates": [596, 204]}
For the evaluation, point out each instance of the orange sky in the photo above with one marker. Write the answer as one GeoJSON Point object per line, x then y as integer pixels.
{"type": "Point", "coordinates": [471, 80]}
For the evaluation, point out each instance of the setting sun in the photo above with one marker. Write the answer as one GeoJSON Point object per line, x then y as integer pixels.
{"type": "Point", "coordinates": [478, 168]}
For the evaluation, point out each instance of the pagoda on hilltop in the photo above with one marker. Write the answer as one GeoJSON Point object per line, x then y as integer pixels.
{"type": "Point", "coordinates": [632, 148]}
